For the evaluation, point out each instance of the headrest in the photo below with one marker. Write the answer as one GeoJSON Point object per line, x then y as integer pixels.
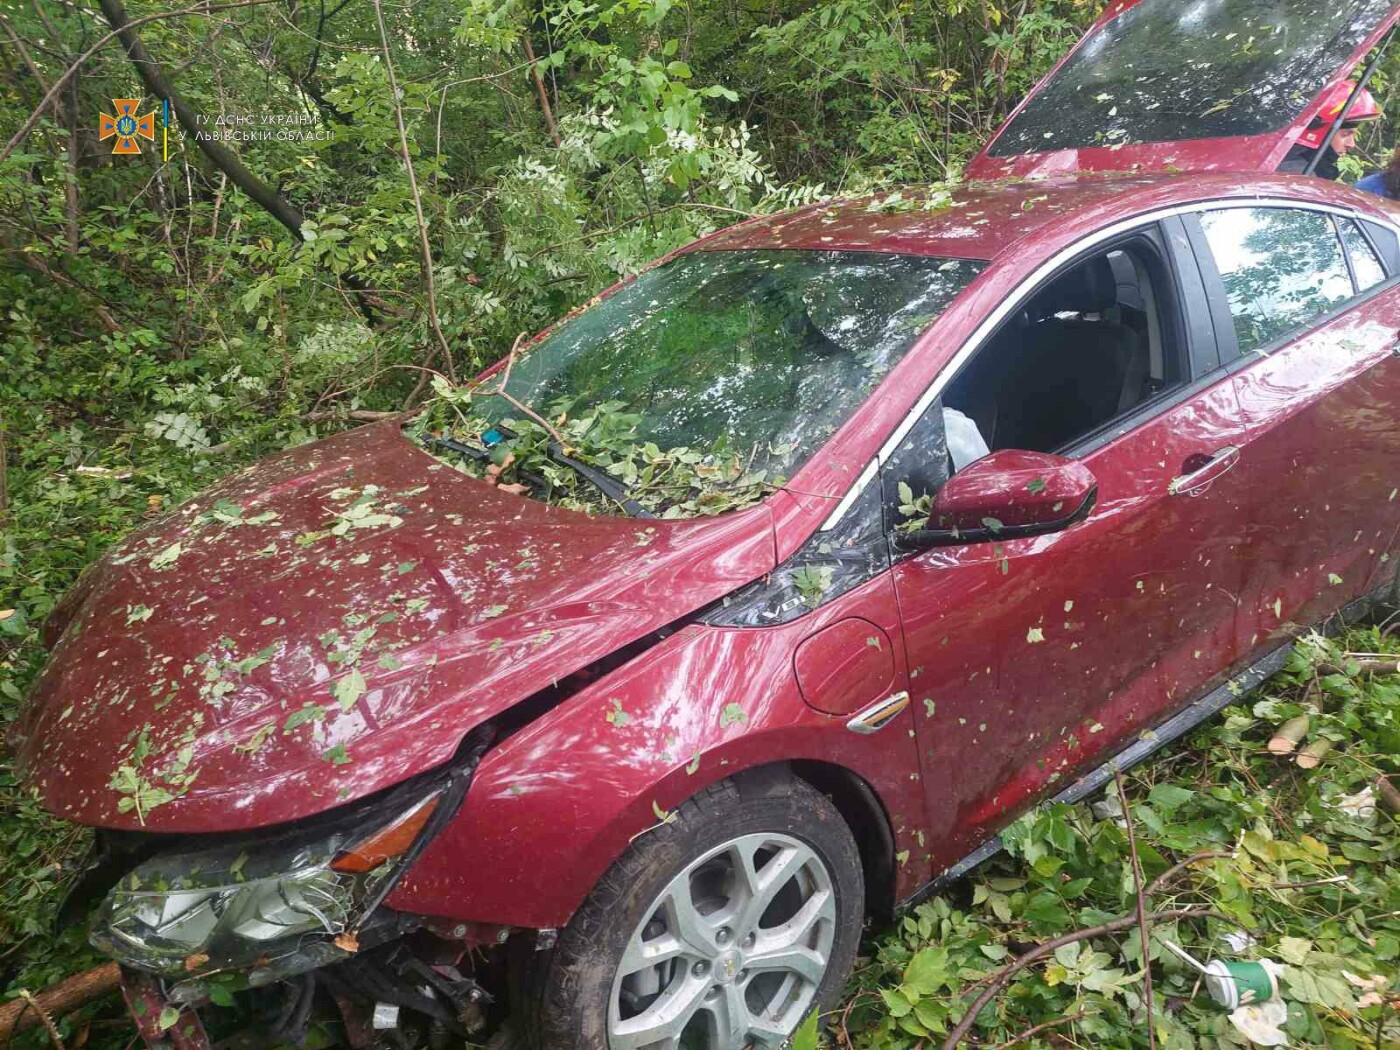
{"type": "Point", "coordinates": [1087, 289]}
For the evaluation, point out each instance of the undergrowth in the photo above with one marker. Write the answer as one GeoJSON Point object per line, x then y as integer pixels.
{"type": "Point", "coordinates": [1299, 867]}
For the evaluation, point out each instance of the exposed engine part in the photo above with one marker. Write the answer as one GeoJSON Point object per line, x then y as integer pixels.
{"type": "Point", "coordinates": [292, 1022]}
{"type": "Point", "coordinates": [397, 978]}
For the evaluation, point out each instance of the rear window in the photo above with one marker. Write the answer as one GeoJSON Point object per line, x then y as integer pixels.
{"type": "Point", "coordinates": [1282, 267]}
{"type": "Point", "coordinates": [1167, 70]}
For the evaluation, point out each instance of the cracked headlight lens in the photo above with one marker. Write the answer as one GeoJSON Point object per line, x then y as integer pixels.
{"type": "Point", "coordinates": [258, 900]}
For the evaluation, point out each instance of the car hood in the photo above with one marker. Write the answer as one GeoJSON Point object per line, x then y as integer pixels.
{"type": "Point", "coordinates": [333, 620]}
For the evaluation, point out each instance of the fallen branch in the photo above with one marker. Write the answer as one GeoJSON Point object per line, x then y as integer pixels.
{"type": "Point", "coordinates": [1014, 967]}
{"type": "Point", "coordinates": [1362, 665]}
{"type": "Point", "coordinates": [1026, 1035]}
{"type": "Point", "coordinates": [1163, 879]}
{"type": "Point", "coordinates": [1311, 882]}
{"type": "Point", "coordinates": [520, 406]}
{"type": "Point", "coordinates": [1143, 931]}
{"type": "Point", "coordinates": [1311, 756]}
{"type": "Point", "coordinates": [1289, 735]}
{"type": "Point", "coordinates": [58, 999]}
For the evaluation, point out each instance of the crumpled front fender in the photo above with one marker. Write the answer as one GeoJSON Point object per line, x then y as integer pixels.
{"type": "Point", "coordinates": [554, 805]}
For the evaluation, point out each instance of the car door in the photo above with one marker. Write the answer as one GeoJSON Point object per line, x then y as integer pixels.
{"type": "Point", "coordinates": [1031, 657]}
{"type": "Point", "coordinates": [1315, 321]}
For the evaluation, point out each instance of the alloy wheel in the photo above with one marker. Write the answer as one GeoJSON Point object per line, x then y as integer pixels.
{"type": "Point", "coordinates": [731, 952]}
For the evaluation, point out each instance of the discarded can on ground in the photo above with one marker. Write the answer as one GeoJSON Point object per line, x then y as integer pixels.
{"type": "Point", "coordinates": [1236, 984]}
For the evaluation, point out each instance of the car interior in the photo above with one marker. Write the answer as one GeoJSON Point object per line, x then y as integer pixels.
{"type": "Point", "coordinates": [1091, 346]}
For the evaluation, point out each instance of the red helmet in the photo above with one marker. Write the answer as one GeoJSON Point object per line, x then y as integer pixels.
{"type": "Point", "coordinates": [1364, 108]}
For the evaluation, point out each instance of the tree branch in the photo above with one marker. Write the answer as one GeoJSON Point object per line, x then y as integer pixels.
{"type": "Point", "coordinates": [59, 999]}
{"type": "Point", "coordinates": [1143, 931]}
{"type": "Point", "coordinates": [268, 198]}
{"type": "Point", "coordinates": [1163, 879]}
{"type": "Point", "coordinates": [1040, 951]}
{"type": "Point", "coordinates": [1053, 1023]}
{"type": "Point", "coordinates": [424, 246]}
{"type": "Point", "coordinates": [58, 85]}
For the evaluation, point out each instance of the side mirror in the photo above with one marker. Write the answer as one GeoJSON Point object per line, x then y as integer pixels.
{"type": "Point", "coordinates": [1007, 495]}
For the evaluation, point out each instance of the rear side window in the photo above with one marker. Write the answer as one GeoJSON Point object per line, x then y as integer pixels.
{"type": "Point", "coordinates": [1365, 267]}
{"type": "Point", "coordinates": [1383, 237]}
{"type": "Point", "coordinates": [1282, 267]}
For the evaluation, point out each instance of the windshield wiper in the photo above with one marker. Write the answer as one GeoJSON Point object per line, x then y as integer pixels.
{"type": "Point", "coordinates": [604, 483]}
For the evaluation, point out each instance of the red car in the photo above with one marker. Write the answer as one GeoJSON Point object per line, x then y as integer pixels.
{"type": "Point", "coordinates": [1068, 462]}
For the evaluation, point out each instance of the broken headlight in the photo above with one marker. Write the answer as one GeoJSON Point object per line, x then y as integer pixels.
{"type": "Point", "coordinates": [270, 903]}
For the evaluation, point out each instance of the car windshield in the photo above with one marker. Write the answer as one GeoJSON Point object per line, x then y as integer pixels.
{"type": "Point", "coordinates": [753, 357]}
{"type": "Point", "coordinates": [1168, 70]}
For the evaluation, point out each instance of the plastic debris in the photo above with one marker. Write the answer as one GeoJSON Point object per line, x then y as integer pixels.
{"type": "Point", "coordinates": [1238, 941]}
{"type": "Point", "coordinates": [1262, 1023]}
{"type": "Point", "coordinates": [1360, 806]}
{"type": "Point", "coordinates": [1234, 984]}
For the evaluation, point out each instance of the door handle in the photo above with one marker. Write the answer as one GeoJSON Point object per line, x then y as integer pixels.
{"type": "Point", "coordinates": [1200, 471]}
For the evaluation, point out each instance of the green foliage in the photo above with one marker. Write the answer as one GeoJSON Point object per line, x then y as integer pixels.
{"type": "Point", "coordinates": [1068, 868]}
{"type": "Point", "coordinates": [158, 328]}
{"type": "Point", "coordinates": [535, 458]}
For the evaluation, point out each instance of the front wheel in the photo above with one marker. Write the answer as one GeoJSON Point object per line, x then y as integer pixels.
{"type": "Point", "coordinates": [721, 930]}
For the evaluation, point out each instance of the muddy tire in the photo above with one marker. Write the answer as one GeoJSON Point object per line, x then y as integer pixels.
{"type": "Point", "coordinates": [721, 929]}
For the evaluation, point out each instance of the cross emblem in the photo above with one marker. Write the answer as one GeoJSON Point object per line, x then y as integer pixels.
{"type": "Point", "coordinates": [126, 126]}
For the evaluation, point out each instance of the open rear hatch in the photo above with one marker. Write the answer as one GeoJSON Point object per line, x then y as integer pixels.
{"type": "Point", "coordinates": [1196, 85]}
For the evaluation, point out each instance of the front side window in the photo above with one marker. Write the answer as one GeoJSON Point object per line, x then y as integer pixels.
{"type": "Point", "coordinates": [1281, 267]}
{"type": "Point", "coordinates": [1168, 70]}
{"type": "Point", "coordinates": [717, 368]}
{"type": "Point", "coordinates": [1091, 346]}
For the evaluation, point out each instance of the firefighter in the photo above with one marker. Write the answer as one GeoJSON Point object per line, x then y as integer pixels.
{"type": "Point", "coordinates": [1362, 110]}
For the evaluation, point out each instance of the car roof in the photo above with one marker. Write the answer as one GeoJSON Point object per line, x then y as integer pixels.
{"type": "Point", "coordinates": [982, 220]}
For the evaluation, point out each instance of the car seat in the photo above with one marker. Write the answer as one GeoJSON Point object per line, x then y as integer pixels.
{"type": "Point", "coordinates": [1075, 367]}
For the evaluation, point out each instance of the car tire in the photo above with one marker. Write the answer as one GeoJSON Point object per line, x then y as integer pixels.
{"type": "Point", "coordinates": [799, 899]}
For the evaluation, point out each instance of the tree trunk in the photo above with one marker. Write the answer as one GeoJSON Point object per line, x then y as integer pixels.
{"type": "Point", "coordinates": [71, 208]}
{"type": "Point", "coordinates": [545, 107]}
{"type": "Point", "coordinates": [268, 198]}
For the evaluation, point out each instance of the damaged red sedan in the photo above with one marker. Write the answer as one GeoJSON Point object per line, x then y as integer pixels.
{"type": "Point", "coordinates": [752, 601]}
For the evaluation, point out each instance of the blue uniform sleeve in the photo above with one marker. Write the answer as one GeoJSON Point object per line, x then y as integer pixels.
{"type": "Point", "coordinates": [1373, 183]}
